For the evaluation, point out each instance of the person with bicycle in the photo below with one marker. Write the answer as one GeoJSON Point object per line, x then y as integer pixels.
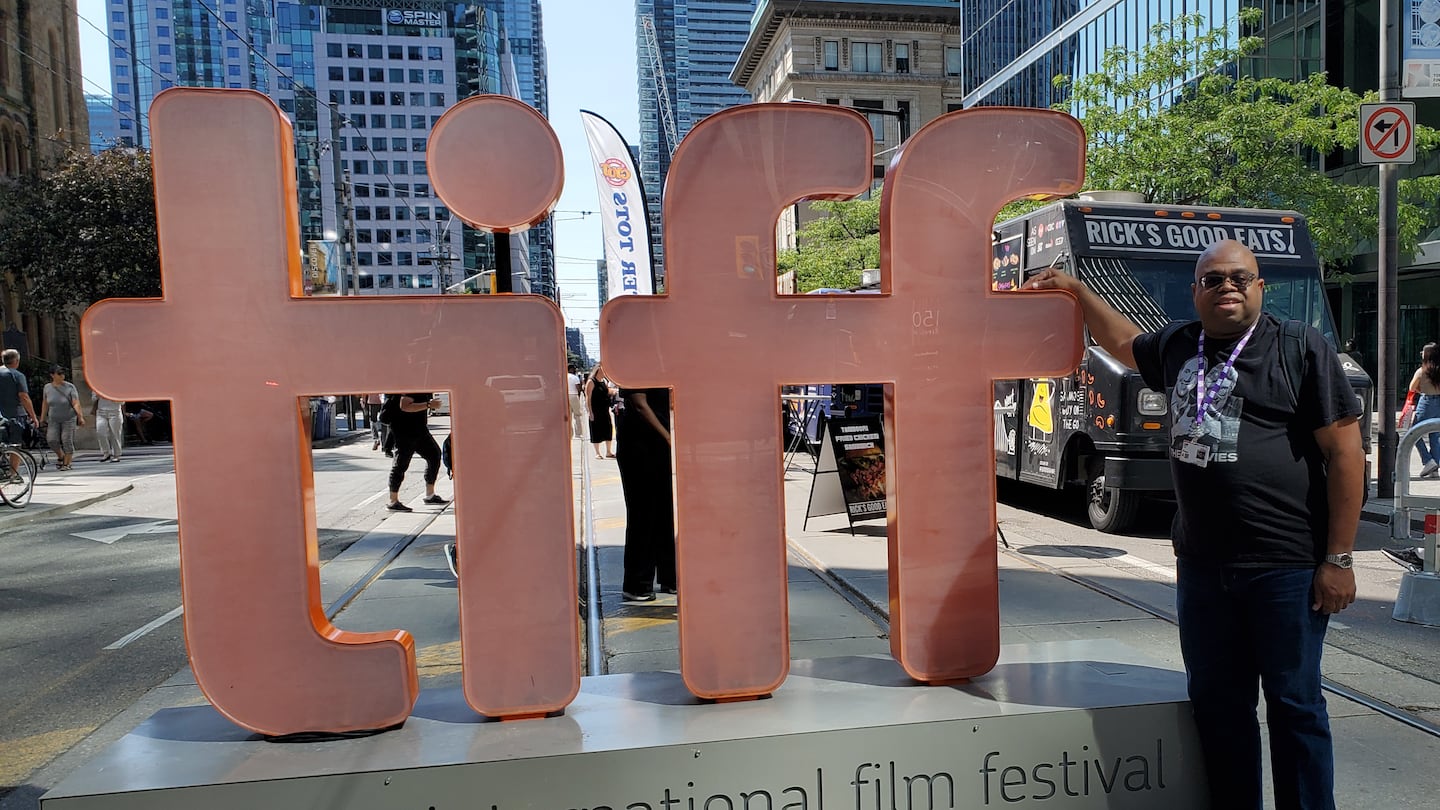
{"type": "Point", "coordinates": [14, 397]}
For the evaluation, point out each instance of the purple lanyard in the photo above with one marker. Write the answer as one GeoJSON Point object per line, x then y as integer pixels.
{"type": "Point", "coordinates": [1205, 394]}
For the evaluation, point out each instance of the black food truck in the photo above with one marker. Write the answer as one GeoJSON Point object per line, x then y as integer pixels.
{"type": "Point", "coordinates": [1101, 427]}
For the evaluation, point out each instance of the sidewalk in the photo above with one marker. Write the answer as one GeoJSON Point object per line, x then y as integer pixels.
{"type": "Point", "coordinates": [92, 481]}
{"type": "Point", "coordinates": [837, 583]}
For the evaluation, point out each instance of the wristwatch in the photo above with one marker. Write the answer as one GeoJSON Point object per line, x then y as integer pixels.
{"type": "Point", "coordinates": [1345, 560]}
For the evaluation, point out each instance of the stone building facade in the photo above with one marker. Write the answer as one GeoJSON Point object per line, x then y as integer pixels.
{"type": "Point", "coordinates": [42, 115]}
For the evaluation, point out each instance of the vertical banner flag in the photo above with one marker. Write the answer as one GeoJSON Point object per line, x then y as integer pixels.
{"type": "Point", "coordinates": [622, 209]}
{"type": "Point", "coordinates": [1420, 48]}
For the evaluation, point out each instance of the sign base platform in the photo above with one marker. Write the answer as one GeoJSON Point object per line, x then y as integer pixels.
{"type": "Point", "coordinates": [1073, 724]}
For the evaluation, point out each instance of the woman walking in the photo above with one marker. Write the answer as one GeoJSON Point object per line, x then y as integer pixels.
{"type": "Point", "coordinates": [1426, 383]}
{"type": "Point", "coordinates": [61, 412]}
{"type": "Point", "coordinates": [411, 433]}
{"type": "Point", "coordinates": [109, 427]}
{"type": "Point", "coordinates": [597, 404]}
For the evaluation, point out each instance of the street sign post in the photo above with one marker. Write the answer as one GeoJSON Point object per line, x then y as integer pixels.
{"type": "Point", "coordinates": [1387, 132]}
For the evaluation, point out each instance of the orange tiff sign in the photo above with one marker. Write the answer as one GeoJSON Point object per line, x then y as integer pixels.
{"type": "Point", "coordinates": [233, 341]}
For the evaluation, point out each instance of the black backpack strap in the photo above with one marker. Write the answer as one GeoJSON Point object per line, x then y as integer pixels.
{"type": "Point", "coordinates": [1292, 357]}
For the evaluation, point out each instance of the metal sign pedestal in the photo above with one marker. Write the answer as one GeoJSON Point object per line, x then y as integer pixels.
{"type": "Point", "coordinates": [1074, 724]}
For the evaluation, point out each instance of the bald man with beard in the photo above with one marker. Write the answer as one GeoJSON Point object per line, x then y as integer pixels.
{"type": "Point", "coordinates": [1268, 483]}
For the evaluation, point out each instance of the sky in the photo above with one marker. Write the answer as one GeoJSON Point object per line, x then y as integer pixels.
{"type": "Point", "coordinates": [591, 49]}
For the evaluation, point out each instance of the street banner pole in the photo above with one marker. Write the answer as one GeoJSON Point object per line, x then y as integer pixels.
{"type": "Point", "coordinates": [1389, 297]}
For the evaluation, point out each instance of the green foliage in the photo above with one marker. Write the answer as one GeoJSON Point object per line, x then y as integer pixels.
{"type": "Point", "coordinates": [82, 232]}
{"type": "Point", "coordinates": [1228, 139]}
{"type": "Point", "coordinates": [837, 246]}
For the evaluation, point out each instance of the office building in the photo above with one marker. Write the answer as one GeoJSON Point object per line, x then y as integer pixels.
{"type": "Point", "coordinates": [695, 43]}
{"type": "Point", "coordinates": [363, 84]}
{"type": "Point", "coordinates": [104, 122]}
{"type": "Point", "coordinates": [522, 40]}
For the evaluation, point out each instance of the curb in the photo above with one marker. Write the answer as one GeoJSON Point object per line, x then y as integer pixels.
{"type": "Point", "coordinates": [24, 516]}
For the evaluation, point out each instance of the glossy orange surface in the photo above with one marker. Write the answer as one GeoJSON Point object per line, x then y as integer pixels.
{"type": "Point", "coordinates": [726, 341]}
{"type": "Point", "coordinates": [232, 342]}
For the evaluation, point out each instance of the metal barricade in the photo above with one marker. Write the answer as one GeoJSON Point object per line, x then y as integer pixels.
{"type": "Point", "coordinates": [1418, 600]}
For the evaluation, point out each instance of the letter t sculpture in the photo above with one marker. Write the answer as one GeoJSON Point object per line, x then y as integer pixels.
{"type": "Point", "coordinates": [235, 345]}
{"type": "Point", "coordinates": [727, 342]}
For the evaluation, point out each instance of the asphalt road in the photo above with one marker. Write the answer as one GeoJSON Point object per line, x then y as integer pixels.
{"type": "Point", "coordinates": [90, 611]}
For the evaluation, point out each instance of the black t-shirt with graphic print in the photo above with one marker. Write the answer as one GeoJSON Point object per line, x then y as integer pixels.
{"type": "Point", "coordinates": [1261, 500]}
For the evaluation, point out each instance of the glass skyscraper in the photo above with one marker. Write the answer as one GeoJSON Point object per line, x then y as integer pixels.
{"type": "Point", "coordinates": [522, 26]}
{"type": "Point", "coordinates": [1012, 51]}
{"type": "Point", "coordinates": [363, 84]}
{"type": "Point", "coordinates": [698, 43]}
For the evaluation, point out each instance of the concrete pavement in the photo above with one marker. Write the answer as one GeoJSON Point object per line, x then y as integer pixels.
{"type": "Point", "coordinates": [838, 602]}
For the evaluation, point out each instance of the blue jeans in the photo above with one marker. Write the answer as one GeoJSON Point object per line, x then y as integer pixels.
{"type": "Point", "coordinates": [1428, 407]}
{"type": "Point", "coordinates": [1243, 625]}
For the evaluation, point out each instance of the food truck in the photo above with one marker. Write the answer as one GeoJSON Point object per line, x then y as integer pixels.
{"type": "Point", "coordinates": [1101, 428]}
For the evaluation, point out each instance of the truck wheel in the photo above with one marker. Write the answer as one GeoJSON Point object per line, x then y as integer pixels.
{"type": "Point", "coordinates": [1110, 510]}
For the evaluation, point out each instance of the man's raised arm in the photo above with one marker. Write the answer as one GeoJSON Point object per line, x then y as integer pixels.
{"type": "Point", "coordinates": [1112, 330]}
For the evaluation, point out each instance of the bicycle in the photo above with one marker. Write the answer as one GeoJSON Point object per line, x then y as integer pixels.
{"type": "Point", "coordinates": [18, 469]}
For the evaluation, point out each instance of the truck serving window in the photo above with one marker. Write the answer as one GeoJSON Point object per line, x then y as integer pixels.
{"type": "Point", "coordinates": [1153, 292]}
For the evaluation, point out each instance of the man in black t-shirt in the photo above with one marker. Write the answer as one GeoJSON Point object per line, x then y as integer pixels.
{"type": "Point", "coordinates": [1268, 481]}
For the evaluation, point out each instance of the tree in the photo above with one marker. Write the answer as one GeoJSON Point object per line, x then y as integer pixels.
{"type": "Point", "coordinates": [82, 232]}
{"type": "Point", "coordinates": [837, 246]}
{"type": "Point", "coordinates": [1180, 123]}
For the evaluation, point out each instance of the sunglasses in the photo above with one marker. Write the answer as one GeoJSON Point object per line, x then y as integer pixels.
{"type": "Point", "coordinates": [1213, 281]}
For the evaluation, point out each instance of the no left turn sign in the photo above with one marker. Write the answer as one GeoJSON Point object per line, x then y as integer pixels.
{"type": "Point", "coordinates": [1387, 132]}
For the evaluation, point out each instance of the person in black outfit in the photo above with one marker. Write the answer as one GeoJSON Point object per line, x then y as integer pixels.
{"type": "Point", "coordinates": [598, 401]}
{"type": "Point", "coordinates": [644, 460]}
{"type": "Point", "coordinates": [411, 434]}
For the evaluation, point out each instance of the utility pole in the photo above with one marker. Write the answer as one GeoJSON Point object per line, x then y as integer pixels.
{"type": "Point", "coordinates": [503, 281]}
{"type": "Point", "coordinates": [1389, 330]}
{"type": "Point", "coordinates": [342, 201]}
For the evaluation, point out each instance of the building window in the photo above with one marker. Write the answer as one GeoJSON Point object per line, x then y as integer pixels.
{"type": "Point", "coordinates": [232, 70]}
{"type": "Point", "coordinates": [399, 144]}
{"type": "Point", "coordinates": [832, 54]}
{"type": "Point", "coordinates": [417, 76]}
{"type": "Point", "coordinates": [407, 280]}
{"type": "Point", "coordinates": [434, 53]}
{"type": "Point", "coordinates": [405, 258]}
{"type": "Point", "coordinates": [357, 97]}
{"type": "Point", "coordinates": [386, 259]}
{"type": "Point", "coordinates": [122, 88]}
{"type": "Point", "coordinates": [357, 74]}
{"type": "Point", "coordinates": [866, 57]}
{"type": "Point", "coordinates": [437, 100]}
{"type": "Point", "coordinates": [166, 67]}
{"type": "Point", "coordinates": [377, 121]}
{"type": "Point", "coordinates": [952, 61]}
{"type": "Point", "coordinates": [374, 52]}
{"type": "Point", "coordinates": [397, 75]}
{"type": "Point", "coordinates": [877, 121]}
{"type": "Point", "coordinates": [378, 145]}
{"type": "Point", "coordinates": [162, 30]}
{"type": "Point", "coordinates": [417, 144]}
{"type": "Point", "coordinates": [413, 52]}
{"type": "Point", "coordinates": [367, 281]}
{"type": "Point", "coordinates": [332, 50]}
{"type": "Point", "coordinates": [395, 52]}
{"type": "Point", "coordinates": [397, 99]}
{"type": "Point", "coordinates": [397, 122]}
{"type": "Point", "coordinates": [362, 167]}
{"type": "Point", "coordinates": [426, 282]}
{"type": "Point", "coordinates": [358, 144]}
{"type": "Point", "coordinates": [120, 70]}
{"type": "Point", "coordinates": [234, 53]}
{"type": "Point", "coordinates": [118, 35]}
{"type": "Point", "coordinates": [231, 16]}
{"type": "Point", "coordinates": [117, 16]}
{"type": "Point", "coordinates": [386, 281]}
{"type": "Point", "coordinates": [377, 99]}
{"type": "Point", "coordinates": [902, 58]}
{"type": "Point", "coordinates": [162, 49]}
{"type": "Point", "coordinates": [437, 77]}
{"type": "Point", "coordinates": [377, 74]}
{"type": "Point", "coordinates": [365, 258]}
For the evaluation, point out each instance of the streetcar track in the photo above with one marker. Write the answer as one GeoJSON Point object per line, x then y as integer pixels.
{"type": "Point", "coordinates": [1367, 700]}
